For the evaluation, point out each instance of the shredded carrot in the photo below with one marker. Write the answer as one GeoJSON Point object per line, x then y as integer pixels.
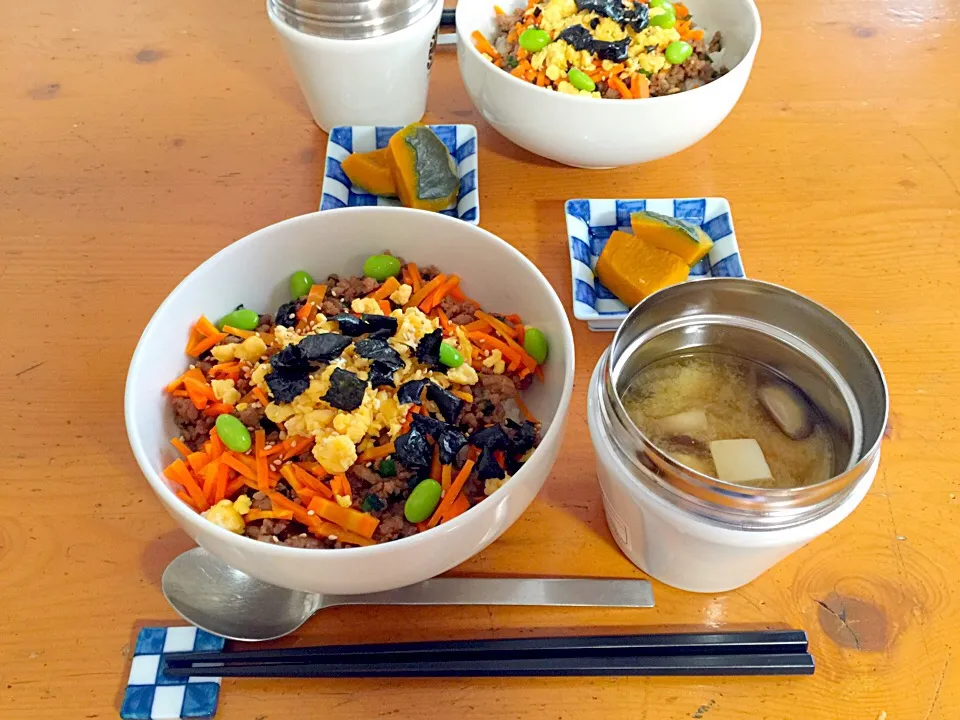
{"type": "Point", "coordinates": [218, 409]}
{"type": "Point", "coordinates": [681, 10]}
{"type": "Point", "coordinates": [197, 461]}
{"type": "Point", "coordinates": [340, 485]}
{"type": "Point", "coordinates": [298, 446]}
{"type": "Point", "coordinates": [194, 337]}
{"type": "Point", "coordinates": [232, 461]}
{"type": "Point", "coordinates": [498, 10]}
{"type": "Point", "coordinates": [501, 327]}
{"type": "Point", "coordinates": [643, 85]}
{"type": "Point", "coordinates": [361, 523]}
{"type": "Point", "coordinates": [299, 512]}
{"type": "Point", "coordinates": [463, 395]}
{"type": "Point", "coordinates": [446, 477]}
{"type": "Point", "coordinates": [419, 296]}
{"type": "Point", "coordinates": [267, 515]}
{"type": "Point", "coordinates": [223, 368]}
{"type": "Point", "coordinates": [180, 446]}
{"type": "Point", "coordinates": [385, 306]}
{"type": "Point", "coordinates": [317, 294]}
{"type": "Point", "coordinates": [216, 445]}
{"type": "Point", "coordinates": [180, 393]}
{"type": "Point", "coordinates": [205, 327]}
{"type": "Point", "coordinates": [304, 310]}
{"type": "Point", "coordinates": [261, 396]}
{"type": "Point", "coordinates": [457, 294]}
{"type": "Point", "coordinates": [460, 506]}
{"type": "Point", "coordinates": [451, 496]}
{"type": "Point", "coordinates": [220, 482]}
{"type": "Point", "coordinates": [542, 79]}
{"type": "Point", "coordinates": [444, 321]}
{"type": "Point", "coordinates": [507, 351]}
{"type": "Point", "coordinates": [314, 468]}
{"type": "Point", "coordinates": [312, 482]}
{"type": "Point", "coordinates": [376, 452]}
{"type": "Point", "coordinates": [539, 373]}
{"type": "Point", "coordinates": [179, 473]}
{"type": "Point", "coordinates": [441, 292]}
{"type": "Point", "coordinates": [237, 332]}
{"type": "Point", "coordinates": [478, 326]}
{"type": "Point", "coordinates": [204, 345]}
{"type": "Point", "coordinates": [260, 440]}
{"type": "Point", "coordinates": [187, 499]}
{"type": "Point", "coordinates": [209, 475]}
{"type": "Point", "coordinates": [234, 486]}
{"type": "Point", "coordinates": [390, 285]}
{"type": "Point", "coordinates": [326, 530]}
{"type": "Point", "coordinates": [415, 281]}
{"type": "Point", "coordinates": [483, 45]}
{"type": "Point", "coordinates": [435, 468]}
{"type": "Point", "coordinates": [617, 84]}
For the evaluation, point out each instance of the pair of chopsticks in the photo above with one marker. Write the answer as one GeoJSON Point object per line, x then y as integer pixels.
{"type": "Point", "coordinates": [770, 652]}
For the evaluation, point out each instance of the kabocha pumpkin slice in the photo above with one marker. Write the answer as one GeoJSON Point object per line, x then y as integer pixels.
{"type": "Point", "coordinates": [632, 268]}
{"type": "Point", "coordinates": [371, 171]}
{"type": "Point", "coordinates": [681, 238]}
{"type": "Point", "coordinates": [424, 172]}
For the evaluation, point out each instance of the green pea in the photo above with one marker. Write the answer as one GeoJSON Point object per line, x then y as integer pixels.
{"type": "Point", "coordinates": [387, 468]}
{"type": "Point", "coordinates": [678, 51]}
{"type": "Point", "coordinates": [450, 356]}
{"type": "Point", "coordinates": [580, 80]}
{"type": "Point", "coordinates": [300, 284]}
{"type": "Point", "coordinates": [535, 343]}
{"type": "Point", "coordinates": [534, 39]}
{"type": "Point", "coordinates": [381, 267]}
{"type": "Point", "coordinates": [664, 20]}
{"type": "Point", "coordinates": [422, 501]}
{"type": "Point", "coordinates": [233, 434]}
{"type": "Point", "coordinates": [241, 318]}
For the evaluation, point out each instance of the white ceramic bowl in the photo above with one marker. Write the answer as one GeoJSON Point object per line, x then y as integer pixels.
{"type": "Point", "coordinates": [593, 133]}
{"type": "Point", "coordinates": [254, 271]}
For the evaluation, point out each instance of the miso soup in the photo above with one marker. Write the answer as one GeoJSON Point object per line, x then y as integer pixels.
{"type": "Point", "coordinates": [732, 419]}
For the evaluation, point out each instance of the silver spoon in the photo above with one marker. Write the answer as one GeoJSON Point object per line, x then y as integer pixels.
{"type": "Point", "coordinates": [221, 600]}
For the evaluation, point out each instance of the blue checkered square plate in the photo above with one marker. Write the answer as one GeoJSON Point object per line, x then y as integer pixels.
{"type": "Point", "coordinates": [151, 695]}
{"type": "Point", "coordinates": [591, 222]}
{"type": "Point", "coordinates": [338, 192]}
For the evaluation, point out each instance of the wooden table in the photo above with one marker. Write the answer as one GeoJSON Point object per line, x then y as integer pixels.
{"type": "Point", "coordinates": [137, 139]}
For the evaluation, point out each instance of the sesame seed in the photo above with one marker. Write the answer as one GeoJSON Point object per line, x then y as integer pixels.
{"type": "Point", "coordinates": [310, 512]}
{"type": "Point", "coordinates": [332, 538]}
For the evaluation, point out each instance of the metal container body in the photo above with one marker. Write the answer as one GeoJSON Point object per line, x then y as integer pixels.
{"type": "Point", "coordinates": [773, 326]}
{"type": "Point", "coordinates": [350, 19]}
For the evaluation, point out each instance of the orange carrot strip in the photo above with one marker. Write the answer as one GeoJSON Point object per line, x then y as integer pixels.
{"type": "Point", "coordinates": [314, 468]}
{"type": "Point", "coordinates": [317, 294]}
{"type": "Point", "coordinates": [415, 281]}
{"type": "Point", "coordinates": [325, 530]}
{"type": "Point", "coordinates": [216, 445]}
{"type": "Point", "coordinates": [181, 446]}
{"type": "Point", "coordinates": [376, 452]}
{"type": "Point", "coordinates": [311, 482]}
{"type": "Point", "coordinates": [444, 321]}
{"type": "Point", "coordinates": [460, 506]}
{"type": "Point", "coordinates": [187, 499]}
{"type": "Point", "coordinates": [446, 477]}
{"type": "Point", "coordinates": [298, 446]}
{"type": "Point", "coordinates": [483, 45]}
{"type": "Point", "coordinates": [234, 463]}
{"type": "Point", "coordinates": [254, 515]}
{"type": "Point", "coordinates": [204, 345]}
{"type": "Point", "coordinates": [696, 34]}
{"type": "Point", "coordinates": [221, 368]}
{"type": "Point", "coordinates": [498, 10]}
{"type": "Point", "coordinates": [194, 337]}
{"type": "Point", "coordinates": [361, 523]}
{"type": "Point", "coordinates": [463, 395]}
{"type": "Point", "coordinates": [234, 486]}
{"type": "Point", "coordinates": [681, 10]}
{"type": "Point", "coordinates": [205, 327]}
{"type": "Point", "coordinates": [237, 332]}
{"type": "Point", "coordinates": [218, 409]}
{"type": "Point", "coordinates": [340, 485]}
{"type": "Point", "coordinates": [478, 326]}
{"type": "Point", "coordinates": [419, 296]}
{"type": "Point", "coordinates": [501, 327]}
{"type": "Point", "coordinates": [220, 482]}
{"type": "Point", "coordinates": [299, 512]}
{"type": "Point", "coordinates": [179, 473]}
{"type": "Point", "coordinates": [436, 469]}
{"type": "Point", "coordinates": [209, 475]}
{"type": "Point", "coordinates": [489, 340]}
{"type": "Point", "coordinates": [260, 440]}
{"type": "Point", "coordinates": [451, 496]}
{"type": "Point", "coordinates": [261, 396]}
{"type": "Point", "coordinates": [441, 292]}
{"type": "Point", "coordinates": [278, 448]}
{"type": "Point", "coordinates": [457, 294]}
{"type": "Point", "coordinates": [198, 460]}
{"type": "Point", "coordinates": [524, 409]}
{"type": "Point", "coordinates": [390, 285]}
{"type": "Point", "coordinates": [385, 306]}
{"type": "Point", "coordinates": [180, 393]}
{"type": "Point", "coordinates": [304, 310]}
{"type": "Point", "coordinates": [617, 84]}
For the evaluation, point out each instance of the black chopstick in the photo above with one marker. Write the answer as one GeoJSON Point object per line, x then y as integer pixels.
{"type": "Point", "coordinates": [771, 642]}
{"type": "Point", "coordinates": [764, 664]}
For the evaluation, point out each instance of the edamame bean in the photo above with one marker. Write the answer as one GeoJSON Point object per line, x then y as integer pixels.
{"type": "Point", "coordinates": [233, 434]}
{"type": "Point", "coordinates": [381, 267]}
{"type": "Point", "coordinates": [422, 501]}
{"type": "Point", "coordinates": [300, 284]}
{"type": "Point", "coordinates": [241, 318]}
{"type": "Point", "coordinates": [534, 39]}
{"type": "Point", "coordinates": [450, 356]}
{"type": "Point", "coordinates": [664, 20]}
{"type": "Point", "coordinates": [661, 3]}
{"type": "Point", "coordinates": [580, 80]}
{"type": "Point", "coordinates": [678, 51]}
{"type": "Point", "coordinates": [535, 343]}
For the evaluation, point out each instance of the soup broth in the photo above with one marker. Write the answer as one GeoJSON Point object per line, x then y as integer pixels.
{"type": "Point", "coordinates": [685, 404]}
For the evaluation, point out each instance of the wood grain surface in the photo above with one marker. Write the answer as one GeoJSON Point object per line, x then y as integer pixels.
{"type": "Point", "coordinates": [138, 138]}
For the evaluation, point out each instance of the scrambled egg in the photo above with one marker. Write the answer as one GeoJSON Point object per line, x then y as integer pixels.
{"type": "Point", "coordinates": [338, 433]}
{"type": "Point", "coordinates": [495, 360]}
{"type": "Point", "coordinates": [491, 485]}
{"type": "Point", "coordinates": [557, 58]}
{"type": "Point", "coordinates": [402, 294]}
{"type": "Point", "coordinates": [366, 305]}
{"type": "Point", "coordinates": [463, 375]}
{"type": "Point", "coordinates": [554, 13]}
{"type": "Point", "coordinates": [229, 515]}
{"type": "Point", "coordinates": [250, 350]}
{"type": "Point", "coordinates": [225, 391]}
{"type": "Point", "coordinates": [639, 60]}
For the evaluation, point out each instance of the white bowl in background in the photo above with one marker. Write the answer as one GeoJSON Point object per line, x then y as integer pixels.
{"type": "Point", "coordinates": [594, 133]}
{"type": "Point", "coordinates": [254, 271]}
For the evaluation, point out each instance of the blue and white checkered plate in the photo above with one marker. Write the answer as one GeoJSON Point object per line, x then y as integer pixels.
{"type": "Point", "coordinates": [590, 224]}
{"type": "Point", "coordinates": [338, 192]}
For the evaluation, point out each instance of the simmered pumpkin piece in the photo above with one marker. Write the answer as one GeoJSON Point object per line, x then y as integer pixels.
{"type": "Point", "coordinates": [632, 268]}
{"type": "Point", "coordinates": [423, 170]}
{"type": "Point", "coordinates": [371, 171]}
{"type": "Point", "coordinates": [680, 237]}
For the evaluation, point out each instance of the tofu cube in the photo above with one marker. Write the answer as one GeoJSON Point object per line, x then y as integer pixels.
{"type": "Point", "coordinates": [740, 461]}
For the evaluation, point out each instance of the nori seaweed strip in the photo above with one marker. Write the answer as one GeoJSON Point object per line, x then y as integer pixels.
{"type": "Point", "coordinates": [380, 376]}
{"type": "Point", "coordinates": [380, 322]}
{"type": "Point", "coordinates": [413, 450]}
{"type": "Point", "coordinates": [488, 467]}
{"type": "Point", "coordinates": [323, 347]}
{"type": "Point", "coordinates": [351, 325]}
{"type": "Point", "coordinates": [287, 313]}
{"type": "Point", "coordinates": [493, 437]}
{"type": "Point", "coordinates": [450, 442]}
{"type": "Point", "coordinates": [448, 404]}
{"type": "Point", "coordinates": [430, 426]}
{"type": "Point", "coordinates": [289, 358]}
{"type": "Point", "coordinates": [428, 351]}
{"type": "Point", "coordinates": [378, 350]}
{"type": "Point", "coordinates": [410, 392]}
{"type": "Point", "coordinates": [346, 390]}
{"type": "Point", "coordinates": [285, 385]}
